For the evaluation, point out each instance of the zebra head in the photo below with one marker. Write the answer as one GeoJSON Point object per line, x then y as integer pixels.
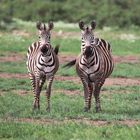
{"type": "Point", "coordinates": [87, 39]}
{"type": "Point", "coordinates": [44, 33]}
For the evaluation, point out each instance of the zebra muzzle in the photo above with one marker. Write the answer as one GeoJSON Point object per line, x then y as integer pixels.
{"type": "Point", "coordinates": [44, 49]}
{"type": "Point", "coordinates": [88, 52]}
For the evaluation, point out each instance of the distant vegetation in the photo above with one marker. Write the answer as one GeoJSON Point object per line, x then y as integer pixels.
{"type": "Point", "coordinates": [121, 13]}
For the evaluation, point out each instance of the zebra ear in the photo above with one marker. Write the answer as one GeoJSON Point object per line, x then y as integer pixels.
{"type": "Point", "coordinates": [38, 25]}
{"type": "Point", "coordinates": [50, 25]}
{"type": "Point", "coordinates": [81, 25]}
{"type": "Point", "coordinates": [93, 24]}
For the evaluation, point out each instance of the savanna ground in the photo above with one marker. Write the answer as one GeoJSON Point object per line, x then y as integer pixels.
{"type": "Point", "coordinates": [120, 96]}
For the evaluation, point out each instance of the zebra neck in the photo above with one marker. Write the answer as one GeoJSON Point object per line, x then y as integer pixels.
{"type": "Point", "coordinates": [46, 58]}
{"type": "Point", "coordinates": [93, 59]}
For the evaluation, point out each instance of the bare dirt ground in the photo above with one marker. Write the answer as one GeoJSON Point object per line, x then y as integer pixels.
{"type": "Point", "coordinates": [117, 59]}
{"type": "Point", "coordinates": [21, 33]}
{"type": "Point", "coordinates": [76, 80]}
{"type": "Point", "coordinates": [129, 123]}
{"type": "Point", "coordinates": [64, 59]}
{"type": "Point", "coordinates": [12, 57]}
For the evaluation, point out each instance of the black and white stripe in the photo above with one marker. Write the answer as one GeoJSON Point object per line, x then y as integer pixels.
{"type": "Point", "coordinates": [93, 65]}
{"type": "Point", "coordinates": [42, 63]}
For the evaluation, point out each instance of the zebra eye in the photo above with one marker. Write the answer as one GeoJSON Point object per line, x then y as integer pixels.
{"type": "Point", "coordinates": [39, 37]}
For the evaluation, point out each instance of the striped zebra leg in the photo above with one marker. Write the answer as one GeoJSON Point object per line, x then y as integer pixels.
{"type": "Point", "coordinates": [42, 83]}
{"type": "Point", "coordinates": [96, 95]}
{"type": "Point", "coordinates": [90, 88]}
{"type": "Point", "coordinates": [86, 94]}
{"type": "Point", "coordinates": [48, 93]}
{"type": "Point", "coordinates": [37, 94]}
{"type": "Point", "coordinates": [32, 79]}
{"type": "Point", "coordinates": [33, 83]}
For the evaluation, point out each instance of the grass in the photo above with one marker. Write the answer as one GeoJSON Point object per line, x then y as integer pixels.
{"type": "Point", "coordinates": [124, 47]}
{"type": "Point", "coordinates": [115, 106]}
{"type": "Point", "coordinates": [118, 102]}
{"type": "Point", "coordinates": [71, 131]}
{"type": "Point", "coordinates": [129, 70]}
{"type": "Point", "coordinates": [13, 67]}
{"type": "Point", "coordinates": [126, 70]}
{"type": "Point", "coordinates": [17, 43]}
{"type": "Point", "coordinates": [14, 84]}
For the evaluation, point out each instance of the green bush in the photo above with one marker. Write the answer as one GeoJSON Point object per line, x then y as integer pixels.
{"type": "Point", "coordinates": [122, 13]}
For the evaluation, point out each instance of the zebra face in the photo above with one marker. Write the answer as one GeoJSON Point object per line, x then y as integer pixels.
{"type": "Point", "coordinates": [87, 40]}
{"type": "Point", "coordinates": [44, 33]}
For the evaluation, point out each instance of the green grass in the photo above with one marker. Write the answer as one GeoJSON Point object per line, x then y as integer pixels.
{"type": "Point", "coordinates": [13, 43]}
{"type": "Point", "coordinates": [16, 97]}
{"type": "Point", "coordinates": [124, 47]}
{"type": "Point", "coordinates": [13, 67]}
{"type": "Point", "coordinates": [66, 85]}
{"type": "Point", "coordinates": [126, 70]}
{"type": "Point", "coordinates": [115, 106]}
{"type": "Point", "coordinates": [70, 131]}
{"type": "Point", "coordinates": [66, 71]}
{"type": "Point", "coordinates": [69, 45]}
{"type": "Point", "coordinates": [14, 84]}
{"type": "Point", "coordinates": [74, 131]}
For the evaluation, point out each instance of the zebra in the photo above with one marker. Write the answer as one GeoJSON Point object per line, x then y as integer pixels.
{"type": "Point", "coordinates": [42, 63]}
{"type": "Point", "coordinates": [93, 65]}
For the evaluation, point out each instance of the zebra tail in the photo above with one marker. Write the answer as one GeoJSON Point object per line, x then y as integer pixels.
{"type": "Point", "coordinates": [56, 49]}
{"type": "Point", "coordinates": [70, 64]}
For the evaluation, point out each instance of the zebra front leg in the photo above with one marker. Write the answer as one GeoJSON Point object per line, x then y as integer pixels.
{"type": "Point", "coordinates": [48, 93]}
{"type": "Point", "coordinates": [32, 78]}
{"type": "Point", "coordinates": [36, 95]}
{"type": "Point", "coordinates": [97, 98]}
{"type": "Point", "coordinates": [86, 95]}
{"type": "Point", "coordinates": [90, 89]}
{"type": "Point", "coordinates": [33, 82]}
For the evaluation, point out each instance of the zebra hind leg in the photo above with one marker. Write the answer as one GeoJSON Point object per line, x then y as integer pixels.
{"type": "Point", "coordinates": [48, 93]}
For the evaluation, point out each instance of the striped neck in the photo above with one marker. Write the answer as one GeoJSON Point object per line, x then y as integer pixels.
{"type": "Point", "coordinates": [93, 58]}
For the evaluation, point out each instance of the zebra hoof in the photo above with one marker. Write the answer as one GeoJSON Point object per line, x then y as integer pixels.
{"type": "Point", "coordinates": [86, 109]}
{"type": "Point", "coordinates": [98, 109]}
{"type": "Point", "coordinates": [48, 109]}
{"type": "Point", "coordinates": [36, 106]}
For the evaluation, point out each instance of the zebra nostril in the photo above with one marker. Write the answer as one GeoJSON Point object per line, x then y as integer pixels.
{"type": "Point", "coordinates": [44, 49]}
